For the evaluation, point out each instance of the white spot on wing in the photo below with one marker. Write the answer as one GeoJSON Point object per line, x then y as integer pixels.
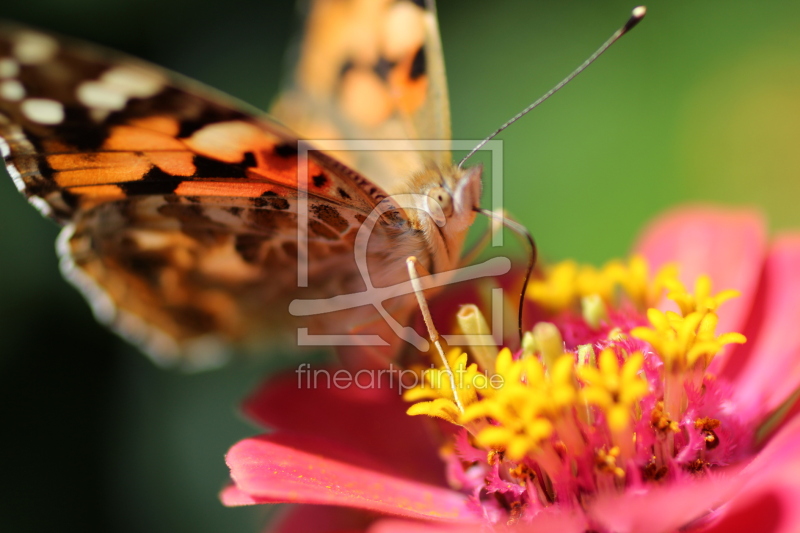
{"type": "Point", "coordinates": [403, 31]}
{"type": "Point", "coordinates": [98, 95]}
{"type": "Point", "coordinates": [13, 136]}
{"type": "Point", "coordinates": [16, 178]}
{"type": "Point", "coordinates": [32, 48]}
{"type": "Point", "coordinates": [132, 81]}
{"type": "Point", "coordinates": [8, 68]}
{"type": "Point", "coordinates": [43, 110]}
{"type": "Point", "coordinates": [5, 151]}
{"type": "Point", "coordinates": [11, 90]}
{"type": "Point", "coordinates": [40, 205]}
{"type": "Point", "coordinates": [115, 87]}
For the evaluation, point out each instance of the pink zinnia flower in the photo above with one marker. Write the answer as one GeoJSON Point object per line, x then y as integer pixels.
{"type": "Point", "coordinates": [624, 411]}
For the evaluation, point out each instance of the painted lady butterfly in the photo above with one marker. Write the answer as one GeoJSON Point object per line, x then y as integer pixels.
{"type": "Point", "coordinates": [180, 205]}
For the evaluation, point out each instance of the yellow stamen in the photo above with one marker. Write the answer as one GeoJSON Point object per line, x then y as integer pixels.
{"type": "Point", "coordinates": [549, 342]}
{"type": "Point", "coordinates": [479, 336]}
{"type": "Point", "coordinates": [594, 310]}
{"type": "Point", "coordinates": [558, 290]}
{"type": "Point", "coordinates": [586, 355]}
{"type": "Point", "coordinates": [436, 385]}
{"type": "Point", "coordinates": [614, 389]}
{"type": "Point", "coordinates": [528, 344]}
{"type": "Point", "coordinates": [439, 408]}
{"type": "Point", "coordinates": [528, 405]}
{"type": "Point", "coordinates": [567, 283]}
{"type": "Point", "coordinates": [702, 300]}
{"type": "Point", "coordinates": [681, 341]}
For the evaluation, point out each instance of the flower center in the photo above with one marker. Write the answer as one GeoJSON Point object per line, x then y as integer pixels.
{"type": "Point", "coordinates": [610, 393]}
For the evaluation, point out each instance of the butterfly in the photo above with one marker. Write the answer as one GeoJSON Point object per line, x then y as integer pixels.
{"type": "Point", "coordinates": [181, 206]}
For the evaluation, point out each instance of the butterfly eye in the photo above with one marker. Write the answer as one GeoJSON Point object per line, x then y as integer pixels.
{"type": "Point", "coordinates": [440, 204]}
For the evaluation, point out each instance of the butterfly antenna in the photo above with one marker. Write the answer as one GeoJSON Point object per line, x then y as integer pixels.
{"type": "Point", "coordinates": [637, 15]}
{"type": "Point", "coordinates": [522, 231]}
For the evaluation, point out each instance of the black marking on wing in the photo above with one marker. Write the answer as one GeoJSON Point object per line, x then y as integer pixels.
{"type": "Point", "coordinates": [418, 64]}
{"type": "Point", "coordinates": [192, 111]}
{"type": "Point", "coordinates": [45, 185]}
{"type": "Point", "coordinates": [268, 221]}
{"type": "Point", "coordinates": [345, 68]}
{"type": "Point", "coordinates": [248, 246]}
{"type": "Point", "coordinates": [285, 150]}
{"type": "Point", "coordinates": [156, 181]}
{"type": "Point", "coordinates": [79, 130]}
{"type": "Point", "coordinates": [70, 199]}
{"type": "Point", "coordinates": [249, 160]}
{"type": "Point", "coordinates": [145, 264]}
{"type": "Point", "coordinates": [319, 180]}
{"type": "Point", "coordinates": [212, 168]}
{"type": "Point", "coordinates": [271, 200]}
{"type": "Point", "coordinates": [189, 127]}
{"type": "Point", "coordinates": [330, 216]}
{"type": "Point", "coordinates": [383, 68]}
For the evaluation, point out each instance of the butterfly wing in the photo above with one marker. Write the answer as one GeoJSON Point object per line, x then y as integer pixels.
{"type": "Point", "coordinates": [371, 69]}
{"type": "Point", "coordinates": [180, 205]}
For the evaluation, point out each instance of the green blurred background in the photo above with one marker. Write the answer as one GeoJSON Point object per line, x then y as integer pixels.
{"type": "Point", "coordinates": [701, 102]}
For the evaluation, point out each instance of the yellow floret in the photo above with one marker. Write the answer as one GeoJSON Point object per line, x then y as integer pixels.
{"type": "Point", "coordinates": [567, 284]}
{"type": "Point", "coordinates": [614, 389]}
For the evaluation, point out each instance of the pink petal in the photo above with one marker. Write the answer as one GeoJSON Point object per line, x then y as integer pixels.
{"type": "Point", "coordinates": [768, 500]}
{"type": "Point", "coordinates": [667, 508]}
{"type": "Point", "coordinates": [405, 526]}
{"type": "Point", "coordinates": [300, 469]}
{"type": "Point", "coordinates": [372, 420]}
{"type": "Point", "coordinates": [319, 519]}
{"type": "Point", "coordinates": [544, 522]}
{"type": "Point", "coordinates": [762, 513]}
{"type": "Point", "coordinates": [768, 503]}
{"type": "Point", "coordinates": [790, 414]}
{"type": "Point", "coordinates": [726, 244]}
{"type": "Point", "coordinates": [782, 448]}
{"type": "Point", "coordinates": [554, 522]}
{"type": "Point", "coordinates": [767, 371]}
{"type": "Point", "coordinates": [231, 496]}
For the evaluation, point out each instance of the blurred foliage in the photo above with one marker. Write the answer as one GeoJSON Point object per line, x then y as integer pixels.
{"type": "Point", "coordinates": [699, 103]}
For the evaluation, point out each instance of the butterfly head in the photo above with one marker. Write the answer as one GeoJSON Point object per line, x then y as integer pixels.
{"type": "Point", "coordinates": [446, 203]}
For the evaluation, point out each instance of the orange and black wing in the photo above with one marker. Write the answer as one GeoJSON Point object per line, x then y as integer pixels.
{"type": "Point", "coordinates": [372, 69]}
{"type": "Point", "coordinates": [180, 205]}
